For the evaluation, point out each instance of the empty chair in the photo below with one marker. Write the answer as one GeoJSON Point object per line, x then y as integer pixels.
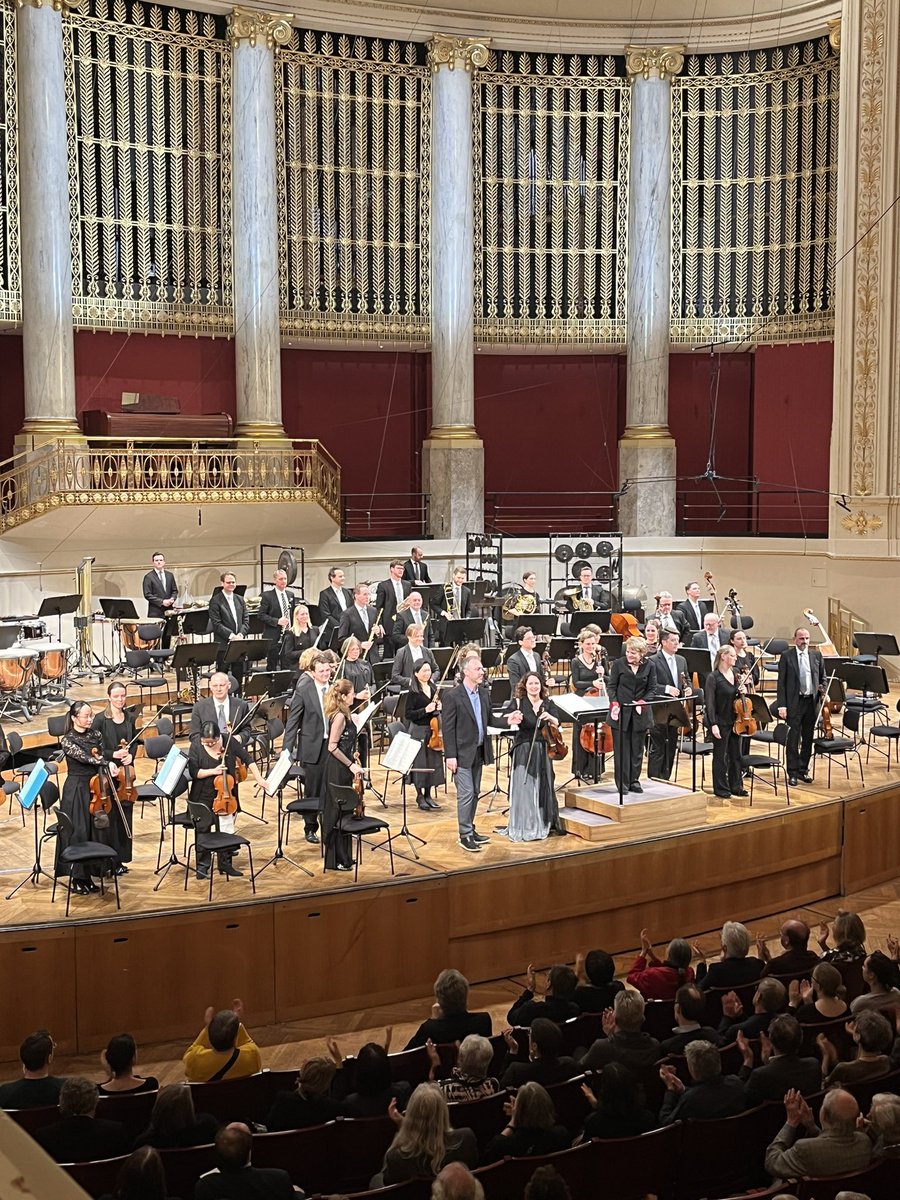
{"type": "Point", "coordinates": [81, 853]}
{"type": "Point", "coordinates": [140, 663]}
{"type": "Point", "coordinates": [763, 763]}
{"type": "Point", "coordinates": [887, 733]}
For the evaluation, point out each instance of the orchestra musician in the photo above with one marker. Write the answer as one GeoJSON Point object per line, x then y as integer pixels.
{"type": "Point", "coordinates": [801, 680]}
{"type": "Point", "coordinates": [589, 595]}
{"type": "Point", "coordinates": [710, 638]}
{"type": "Point", "coordinates": [671, 672]}
{"type": "Point", "coordinates": [456, 603]}
{"type": "Point", "coordinates": [467, 745]}
{"type": "Point", "coordinates": [339, 769]}
{"type": "Point", "coordinates": [160, 591]}
{"type": "Point", "coordinates": [335, 599]}
{"type": "Point", "coordinates": [82, 747]}
{"type": "Point", "coordinates": [391, 592]}
{"type": "Point", "coordinates": [631, 685]}
{"type": "Point", "coordinates": [360, 620]}
{"type": "Point", "coordinates": [423, 703]}
{"type": "Point", "coordinates": [115, 725]}
{"type": "Point", "coordinates": [208, 755]}
{"type": "Point", "coordinates": [306, 731]}
{"type": "Point", "coordinates": [275, 611]}
{"type": "Point", "coordinates": [301, 635]}
{"type": "Point", "coordinates": [692, 608]}
{"type": "Point", "coordinates": [415, 569]}
{"type": "Point", "coordinates": [651, 635]}
{"type": "Point", "coordinates": [746, 662]}
{"type": "Point", "coordinates": [219, 708]}
{"type": "Point", "coordinates": [670, 617]}
{"type": "Point", "coordinates": [412, 614]}
{"type": "Point", "coordinates": [355, 668]}
{"type": "Point", "coordinates": [588, 676]}
{"type": "Point", "coordinates": [229, 622]}
{"type": "Point", "coordinates": [525, 659]}
{"type": "Point", "coordinates": [529, 588]}
{"type": "Point", "coordinates": [407, 660]}
{"type": "Point", "coordinates": [533, 810]}
{"type": "Point", "coordinates": [722, 688]}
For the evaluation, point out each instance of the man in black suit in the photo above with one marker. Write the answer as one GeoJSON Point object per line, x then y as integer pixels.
{"type": "Point", "coordinates": [359, 621]}
{"type": "Point", "coordinates": [670, 617]}
{"type": "Point", "coordinates": [467, 746]}
{"type": "Point", "coordinates": [525, 659]}
{"type": "Point", "coordinates": [710, 637]}
{"type": "Point", "coordinates": [671, 672]}
{"type": "Point", "coordinates": [692, 607]}
{"type": "Point", "coordinates": [587, 592]}
{"type": "Point", "coordinates": [334, 600]}
{"type": "Point", "coordinates": [415, 569]}
{"type": "Point", "coordinates": [414, 615]}
{"type": "Point", "coordinates": [390, 592]}
{"type": "Point", "coordinates": [801, 680]}
{"type": "Point", "coordinates": [782, 1067]}
{"type": "Point", "coordinates": [217, 705]}
{"type": "Point", "coordinates": [408, 657]}
{"type": "Point", "coordinates": [160, 591]}
{"type": "Point", "coordinates": [306, 733]}
{"type": "Point", "coordinates": [229, 622]}
{"type": "Point", "coordinates": [235, 1178]}
{"type": "Point", "coordinates": [79, 1136]}
{"type": "Point", "coordinates": [276, 608]}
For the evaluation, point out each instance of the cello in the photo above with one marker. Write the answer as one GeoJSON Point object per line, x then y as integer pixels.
{"type": "Point", "coordinates": [587, 735]}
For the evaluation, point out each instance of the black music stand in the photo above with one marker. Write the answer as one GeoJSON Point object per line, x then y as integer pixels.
{"type": "Point", "coordinates": [542, 623]}
{"type": "Point", "coordinates": [59, 606]}
{"type": "Point", "coordinates": [246, 650]}
{"type": "Point", "coordinates": [268, 683]}
{"type": "Point", "coordinates": [598, 616]}
{"type": "Point", "coordinates": [195, 621]}
{"type": "Point", "coordinates": [874, 644]}
{"type": "Point", "coordinates": [467, 629]}
{"type": "Point", "coordinates": [490, 656]}
{"type": "Point", "coordinates": [674, 713]}
{"type": "Point", "coordinates": [239, 588]}
{"type": "Point", "coordinates": [279, 855]}
{"type": "Point", "coordinates": [190, 657]}
{"type": "Point", "coordinates": [864, 678]}
{"type": "Point", "coordinates": [256, 625]}
{"type": "Point", "coordinates": [698, 662]}
{"type": "Point", "coordinates": [117, 610]}
{"type": "Point", "coordinates": [612, 644]}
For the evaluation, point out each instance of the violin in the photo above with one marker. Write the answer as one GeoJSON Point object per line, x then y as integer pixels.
{"type": "Point", "coordinates": [126, 788]}
{"type": "Point", "coordinates": [100, 805]}
{"type": "Point", "coordinates": [744, 720]}
{"type": "Point", "coordinates": [693, 726]}
{"type": "Point", "coordinates": [552, 735]}
{"type": "Point", "coordinates": [359, 786]}
{"type": "Point", "coordinates": [435, 741]}
{"type": "Point", "coordinates": [225, 803]}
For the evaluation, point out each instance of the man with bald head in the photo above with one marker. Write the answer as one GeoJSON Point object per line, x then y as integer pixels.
{"type": "Point", "coordinates": [798, 960]}
{"type": "Point", "coordinates": [234, 1177]}
{"type": "Point", "coordinates": [802, 1149]}
{"type": "Point", "coordinates": [456, 1182]}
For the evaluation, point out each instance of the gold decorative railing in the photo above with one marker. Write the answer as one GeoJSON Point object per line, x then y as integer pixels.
{"type": "Point", "coordinates": [153, 471]}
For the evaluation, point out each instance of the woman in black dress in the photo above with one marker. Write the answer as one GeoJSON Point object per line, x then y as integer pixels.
{"type": "Point", "coordinates": [357, 669]}
{"type": "Point", "coordinates": [533, 810]}
{"type": "Point", "coordinates": [79, 742]}
{"type": "Point", "coordinates": [632, 683]}
{"type": "Point", "coordinates": [588, 673]}
{"type": "Point", "coordinates": [205, 764]}
{"type": "Point", "coordinates": [339, 769]}
{"type": "Point", "coordinates": [115, 725]}
{"type": "Point", "coordinates": [722, 690]}
{"type": "Point", "coordinates": [299, 637]}
{"type": "Point", "coordinates": [422, 704]}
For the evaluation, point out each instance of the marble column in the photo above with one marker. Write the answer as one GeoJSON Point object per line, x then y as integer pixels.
{"type": "Point", "coordinates": [453, 454]}
{"type": "Point", "coordinates": [647, 449]}
{"type": "Point", "coordinates": [257, 337]}
{"type": "Point", "coordinates": [46, 249]}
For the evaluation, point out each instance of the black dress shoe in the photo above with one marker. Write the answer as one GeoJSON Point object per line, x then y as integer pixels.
{"type": "Point", "coordinates": [121, 869]}
{"type": "Point", "coordinates": [90, 886]}
{"type": "Point", "coordinates": [432, 807]}
{"type": "Point", "coordinates": [804, 778]}
{"type": "Point", "coordinates": [422, 803]}
{"type": "Point", "coordinates": [555, 831]}
{"type": "Point", "coordinates": [792, 780]}
{"type": "Point", "coordinates": [480, 838]}
{"type": "Point", "coordinates": [312, 837]}
{"type": "Point", "coordinates": [635, 787]}
{"type": "Point", "coordinates": [343, 867]}
{"type": "Point", "coordinates": [78, 887]}
{"type": "Point", "coordinates": [724, 795]}
{"type": "Point", "coordinates": [742, 792]}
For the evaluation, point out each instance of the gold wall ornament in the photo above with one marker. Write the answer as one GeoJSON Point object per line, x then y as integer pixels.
{"type": "Point", "coordinates": [56, 5]}
{"type": "Point", "coordinates": [834, 34]}
{"type": "Point", "coordinates": [445, 50]}
{"type": "Point", "coordinates": [667, 61]}
{"type": "Point", "coordinates": [250, 25]}
{"type": "Point", "coordinates": [861, 523]}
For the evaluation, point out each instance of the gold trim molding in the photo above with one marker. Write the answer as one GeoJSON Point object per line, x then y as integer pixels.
{"type": "Point", "coordinates": [646, 433]}
{"type": "Point", "coordinates": [445, 50]}
{"type": "Point", "coordinates": [861, 523]}
{"type": "Point", "coordinates": [667, 61]}
{"type": "Point", "coordinates": [834, 34]}
{"type": "Point", "coordinates": [56, 5]}
{"type": "Point", "coordinates": [466, 434]}
{"type": "Point", "coordinates": [249, 25]}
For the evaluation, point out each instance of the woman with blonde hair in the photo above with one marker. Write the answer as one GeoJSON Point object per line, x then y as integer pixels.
{"type": "Point", "coordinates": [425, 1141]}
{"type": "Point", "coordinates": [632, 683]}
{"type": "Point", "coordinates": [300, 636]}
{"type": "Point", "coordinates": [340, 769]}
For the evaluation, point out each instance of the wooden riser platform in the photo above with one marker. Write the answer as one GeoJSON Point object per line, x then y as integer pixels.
{"type": "Point", "coordinates": [590, 811]}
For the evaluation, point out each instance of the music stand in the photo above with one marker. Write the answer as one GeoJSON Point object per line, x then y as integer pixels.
{"type": "Point", "coordinates": [875, 644]}
{"type": "Point", "coordinates": [584, 710]}
{"type": "Point", "coordinates": [400, 756]}
{"type": "Point", "coordinates": [597, 616]}
{"type": "Point", "coordinates": [490, 656]}
{"type": "Point", "coordinates": [698, 662]}
{"type": "Point", "coordinates": [268, 683]}
{"type": "Point", "coordinates": [166, 780]}
{"type": "Point", "coordinates": [672, 712]}
{"type": "Point", "coordinates": [542, 623]}
{"type": "Point", "coordinates": [612, 644]}
{"type": "Point", "coordinates": [256, 626]}
{"type": "Point", "coordinates": [28, 794]}
{"type": "Point", "coordinates": [467, 629]}
{"type": "Point", "coordinates": [59, 606]}
{"type": "Point", "coordinates": [190, 657]}
{"type": "Point", "coordinates": [245, 651]}
{"type": "Point", "coordinates": [276, 779]}
{"type": "Point", "coordinates": [864, 678]}
{"type": "Point", "coordinates": [239, 588]}
{"type": "Point", "coordinates": [195, 621]}
{"type": "Point", "coordinates": [118, 610]}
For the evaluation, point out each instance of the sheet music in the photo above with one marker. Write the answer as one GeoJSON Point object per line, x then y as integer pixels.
{"type": "Point", "coordinates": [401, 754]}
{"type": "Point", "coordinates": [278, 774]}
{"type": "Point", "coordinates": [360, 719]}
{"type": "Point", "coordinates": [38, 776]}
{"type": "Point", "coordinates": [171, 771]}
{"type": "Point", "coordinates": [574, 705]}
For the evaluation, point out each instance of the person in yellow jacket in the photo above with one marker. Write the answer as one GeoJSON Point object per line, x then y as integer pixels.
{"type": "Point", "coordinates": [223, 1049]}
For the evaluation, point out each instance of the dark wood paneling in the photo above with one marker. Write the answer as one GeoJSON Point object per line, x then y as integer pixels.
{"type": "Point", "coordinates": [37, 968]}
{"type": "Point", "coordinates": [871, 839]}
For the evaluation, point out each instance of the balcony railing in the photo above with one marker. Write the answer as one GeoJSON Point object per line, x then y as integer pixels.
{"type": "Point", "coordinates": [752, 512]}
{"type": "Point", "coordinates": [111, 471]}
{"type": "Point", "coordinates": [368, 516]}
{"type": "Point", "coordinates": [536, 514]}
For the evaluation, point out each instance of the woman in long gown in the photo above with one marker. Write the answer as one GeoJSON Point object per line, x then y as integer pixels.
{"type": "Point", "coordinates": [588, 671]}
{"type": "Point", "coordinates": [533, 811]}
{"type": "Point", "coordinates": [79, 741]}
{"type": "Point", "coordinates": [115, 725]}
{"type": "Point", "coordinates": [340, 769]}
{"type": "Point", "coordinates": [422, 704]}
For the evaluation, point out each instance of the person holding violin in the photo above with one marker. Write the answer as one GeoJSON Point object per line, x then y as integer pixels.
{"type": "Point", "coordinates": [423, 707]}
{"type": "Point", "coordinates": [631, 686]}
{"type": "Point", "coordinates": [216, 764]}
{"type": "Point", "coordinates": [116, 728]}
{"type": "Point", "coordinates": [82, 747]}
{"type": "Point", "coordinates": [588, 673]}
{"type": "Point", "coordinates": [723, 690]}
{"type": "Point", "coordinates": [745, 663]}
{"type": "Point", "coordinates": [340, 768]}
{"type": "Point", "coordinates": [533, 811]}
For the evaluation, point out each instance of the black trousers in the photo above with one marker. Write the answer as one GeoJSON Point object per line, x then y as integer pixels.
{"type": "Point", "coordinates": [661, 753]}
{"type": "Point", "coordinates": [726, 762]}
{"type": "Point", "coordinates": [236, 668]}
{"type": "Point", "coordinates": [801, 725]}
{"type": "Point", "coordinates": [313, 789]}
{"type": "Point", "coordinates": [628, 749]}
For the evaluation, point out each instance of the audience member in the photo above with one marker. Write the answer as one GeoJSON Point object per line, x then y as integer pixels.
{"type": "Point", "coordinates": [532, 1129]}
{"type": "Point", "coordinates": [174, 1124]}
{"type": "Point", "coordinates": [801, 1149]}
{"type": "Point", "coordinates": [619, 1108]}
{"type": "Point", "coordinates": [234, 1178]}
{"type": "Point", "coordinates": [544, 1066]}
{"type": "Point", "coordinates": [873, 1034]}
{"type": "Point", "coordinates": [223, 1049]}
{"type": "Point", "coordinates": [469, 1079]}
{"type": "Point", "coordinates": [657, 980]}
{"type": "Point", "coordinates": [883, 1125]}
{"type": "Point", "coordinates": [450, 1019]}
{"type": "Point", "coordinates": [37, 1088]}
{"type": "Point", "coordinates": [769, 999]}
{"type": "Point", "coordinates": [849, 935]}
{"type": "Point", "coordinates": [822, 999]}
{"type": "Point", "coordinates": [456, 1182]}
{"type": "Point", "coordinates": [797, 958]}
{"type": "Point", "coordinates": [547, 1184]}
{"type": "Point", "coordinates": [310, 1103]}
{"type": "Point", "coordinates": [425, 1141]}
{"type": "Point", "coordinates": [879, 972]}
{"type": "Point", "coordinates": [119, 1058]}
{"type": "Point", "coordinates": [78, 1136]}
{"type": "Point", "coordinates": [782, 1067]}
{"type": "Point", "coordinates": [735, 967]}
{"type": "Point", "coordinates": [710, 1095]}
{"type": "Point", "coordinates": [690, 1007]}
{"type": "Point", "coordinates": [597, 986]}
{"type": "Point", "coordinates": [141, 1177]}
{"type": "Point", "coordinates": [558, 1002]}
{"type": "Point", "coordinates": [625, 1041]}
{"type": "Point", "coordinates": [370, 1077]}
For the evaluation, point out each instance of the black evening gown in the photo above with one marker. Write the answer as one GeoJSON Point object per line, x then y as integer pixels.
{"type": "Point", "coordinates": [338, 846]}
{"type": "Point", "coordinates": [81, 767]}
{"type": "Point", "coordinates": [111, 735]}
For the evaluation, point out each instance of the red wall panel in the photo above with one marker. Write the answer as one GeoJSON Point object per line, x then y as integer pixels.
{"type": "Point", "coordinates": [12, 391]}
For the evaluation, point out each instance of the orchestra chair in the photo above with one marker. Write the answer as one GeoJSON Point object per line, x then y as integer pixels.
{"type": "Point", "coordinates": [81, 852]}
{"type": "Point", "coordinates": [153, 632]}
{"type": "Point", "coordinates": [754, 763]}
{"type": "Point", "coordinates": [201, 817]}
{"type": "Point", "coordinates": [155, 748]}
{"type": "Point", "coordinates": [701, 751]}
{"type": "Point", "coordinates": [358, 827]}
{"type": "Point", "coordinates": [301, 807]}
{"type": "Point", "coordinates": [775, 647]}
{"type": "Point", "coordinates": [834, 747]}
{"type": "Point", "coordinates": [891, 734]}
{"type": "Point", "coordinates": [138, 661]}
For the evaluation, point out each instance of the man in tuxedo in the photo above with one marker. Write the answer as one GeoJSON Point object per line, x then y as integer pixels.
{"type": "Point", "coordinates": [692, 607]}
{"type": "Point", "coordinates": [801, 680]}
{"type": "Point", "coordinates": [415, 569]}
{"type": "Point", "coordinates": [229, 622]}
{"type": "Point", "coordinates": [306, 734]}
{"type": "Point", "coordinates": [276, 608]}
{"type": "Point", "coordinates": [455, 604]}
{"type": "Point", "coordinates": [670, 617]}
{"type": "Point", "coordinates": [335, 599]}
{"type": "Point", "coordinates": [710, 637]}
{"type": "Point", "coordinates": [79, 1136]}
{"type": "Point", "coordinates": [160, 590]}
{"type": "Point", "coordinates": [359, 621]}
{"type": "Point", "coordinates": [525, 658]}
{"type": "Point", "coordinates": [390, 592]}
{"type": "Point", "coordinates": [414, 615]}
{"type": "Point", "coordinates": [219, 708]}
{"type": "Point", "coordinates": [671, 672]}
{"type": "Point", "coordinates": [467, 746]}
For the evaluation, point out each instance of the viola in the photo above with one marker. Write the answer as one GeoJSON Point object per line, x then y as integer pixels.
{"type": "Point", "coordinates": [100, 805]}
{"type": "Point", "coordinates": [744, 720]}
{"type": "Point", "coordinates": [435, 741]}
{"type": "Point", "coordinates": [225, 803]}
{"type": "Point", "coordinates": [588, 736]}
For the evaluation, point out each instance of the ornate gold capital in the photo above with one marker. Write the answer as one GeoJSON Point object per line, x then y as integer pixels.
{"type": "Point", "coordinates": [444, 50]}
{"type": "Point", "coordinates": [861, 523]}
{"type": "Point", "coordinates": [834, 34]}
{"type": "Point", "coordinates": [641, 60]}
{"type": "Point", "coordinates": [56, 5]}
{"type": "Point", "coordinates": [250, 25]}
